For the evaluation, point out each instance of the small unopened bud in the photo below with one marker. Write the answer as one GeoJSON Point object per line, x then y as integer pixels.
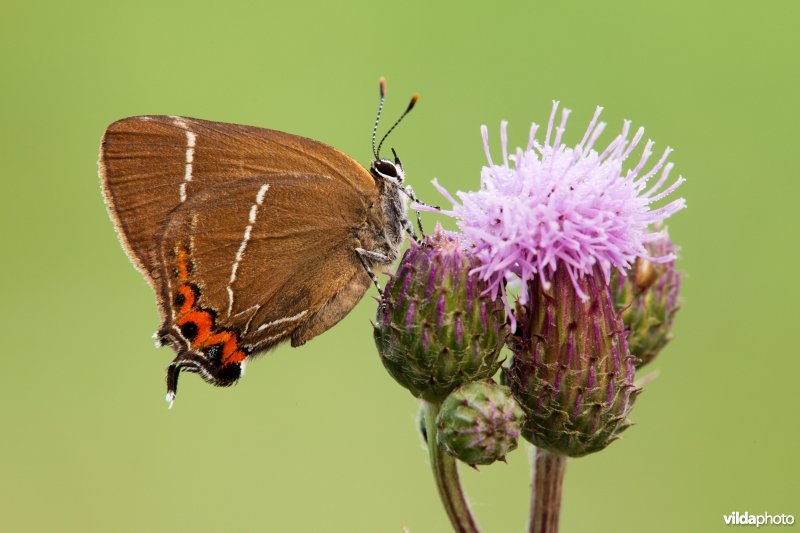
{"type": "Point", "coordinates": [571, 372]}
{"type": "Point", "coordinates": [647, 299]}
{"type": "Point", "coordinates": [479, 423]}
{"type": "Point", "coordinates": [435, 329]}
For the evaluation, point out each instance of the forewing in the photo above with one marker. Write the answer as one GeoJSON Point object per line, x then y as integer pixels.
{"type": "Point", "coordinates": [265, 254]}
{"type": "Point", "coordinates": [151, 165]}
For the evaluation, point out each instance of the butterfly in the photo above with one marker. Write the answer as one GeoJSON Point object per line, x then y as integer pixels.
{"type": "Point", "coordinates": [249, 237]}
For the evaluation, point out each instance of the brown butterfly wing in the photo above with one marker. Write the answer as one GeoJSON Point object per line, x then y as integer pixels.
{"type": "Point", "coordinates": [267, 259]}
{"type": "Point", "coordinates": [150, 165]}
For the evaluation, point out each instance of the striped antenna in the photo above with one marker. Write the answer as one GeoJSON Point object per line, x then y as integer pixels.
{"type": "Point", "coordinates": [382, 83]}
{"type": "Point", "coordinates": [408, 109]}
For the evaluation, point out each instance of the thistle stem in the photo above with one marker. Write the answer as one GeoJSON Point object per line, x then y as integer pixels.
{"type": "Point", "coordinates": [548, 478]}
{"type": "Point", "coordinates": [446, 474]}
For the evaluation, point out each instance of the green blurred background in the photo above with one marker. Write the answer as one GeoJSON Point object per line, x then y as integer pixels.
{"type": "Point", "coordinates": [320, 438]}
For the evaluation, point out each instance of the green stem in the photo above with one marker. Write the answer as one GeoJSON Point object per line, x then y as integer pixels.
{"type": "Point", "coordinates": [446, 474]}
{"type": "Point", "coordinates": [548, 478]}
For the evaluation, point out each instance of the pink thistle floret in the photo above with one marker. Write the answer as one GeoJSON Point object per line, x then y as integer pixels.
{"type": "Point", "coordinates": [552, 207]}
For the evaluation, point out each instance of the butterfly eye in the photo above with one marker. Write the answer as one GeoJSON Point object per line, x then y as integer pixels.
{"type": "Point", "coordinates": [385, 168]}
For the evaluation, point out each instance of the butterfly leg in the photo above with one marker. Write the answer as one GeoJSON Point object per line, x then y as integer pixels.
{"type": "Point", "coordinates": [368, 256]}
{"type": "Point", "coordinates": [409, 228]}
{"type": "Point", "coordinates": [419, 223]}
{"type": "Point", "coordinates": [409, 191]}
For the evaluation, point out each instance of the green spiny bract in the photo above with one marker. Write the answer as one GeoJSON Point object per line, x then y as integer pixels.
{"type": "Point", "coordinates": [434, 328]}
{"type": "Point", "coordinates": [572, 372]}
{"type": "Point", "coordinates": [647, 300]}
{"type": "Point", "coordinates": [479, 423]}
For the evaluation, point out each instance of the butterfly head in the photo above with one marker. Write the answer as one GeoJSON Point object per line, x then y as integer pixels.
{"type": "Point", "coordinates": [385, 170]}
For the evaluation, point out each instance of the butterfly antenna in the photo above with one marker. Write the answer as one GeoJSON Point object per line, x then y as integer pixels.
{"type": "Point", "coordinates": [408, 109]}
{"type": "Point", "coordinates": [382, 83]}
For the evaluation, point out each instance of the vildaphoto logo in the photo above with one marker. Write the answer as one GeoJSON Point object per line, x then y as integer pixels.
{"type": "Point", "coordinates": [746, 519]}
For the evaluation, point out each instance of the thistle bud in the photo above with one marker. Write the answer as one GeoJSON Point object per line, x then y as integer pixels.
{"type": "Point", "coordinates": [572, 372]}
{"type": "Point", "coordinates": [479, 423]}
{"type": "Point", "coordinates": [435, 329]}
{"type": "Point", "coordinates": [647, 299]}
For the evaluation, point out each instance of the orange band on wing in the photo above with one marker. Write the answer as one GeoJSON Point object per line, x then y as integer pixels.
{"type": "Point", "coordinates": [197, 324]}
{"type": "Point", "coordinates": [236, 357]}
{"type": "Point", "coordinates": [204, 322]}
{"type": "Point", "coordinates": [189, 299]}
{"type": "Point", "coordinates": [230, 346]}
{"type": "Point", "coordinates": [183, 265]}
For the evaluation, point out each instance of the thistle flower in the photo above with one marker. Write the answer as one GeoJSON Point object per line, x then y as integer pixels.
{"type": "Point", "coordinates": [572, 371]}
{"type": "Point", "coordinates": [434, 328]}
{"type": "Point", "coordinates": [479, 423]}
{"type": "Point", "coordinates": [560, 220]}
{"type": "Point", "coordinates": [563, 208]}
{"type": "Point", "coordinates": [647, 299]}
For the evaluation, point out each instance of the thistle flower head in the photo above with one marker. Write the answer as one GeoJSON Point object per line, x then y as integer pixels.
{"type": "Point", "coordinates": [572, 372]}
{"type": "Point", "coordinates": [550, 206]}
{"type": "Point", "coordinates": [435, 328]}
